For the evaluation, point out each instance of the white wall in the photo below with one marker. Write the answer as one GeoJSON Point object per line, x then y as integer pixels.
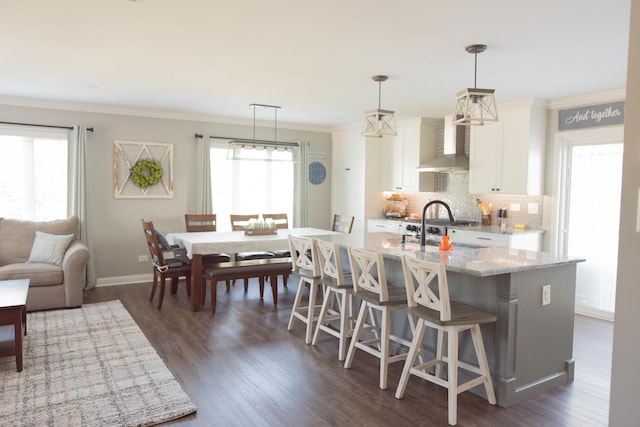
{"type": "Point", "coordinates": [625, 376]}
{"type": "Point", "coordinates": [116, 223]}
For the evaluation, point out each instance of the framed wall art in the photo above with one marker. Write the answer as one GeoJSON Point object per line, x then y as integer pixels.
{"type": "Point", "coordinates": [142, 170]}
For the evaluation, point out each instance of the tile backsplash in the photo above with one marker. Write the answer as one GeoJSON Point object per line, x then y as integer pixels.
{"type": "Point", "coordinates": [464, 206]}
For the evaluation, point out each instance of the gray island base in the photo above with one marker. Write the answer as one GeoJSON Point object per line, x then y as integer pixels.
{"type": "Point", "coordinates": [530, 348]}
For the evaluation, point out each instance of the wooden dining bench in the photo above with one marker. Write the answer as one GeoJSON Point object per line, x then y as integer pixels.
{"type": "Point", "coordinates": [246, 269]}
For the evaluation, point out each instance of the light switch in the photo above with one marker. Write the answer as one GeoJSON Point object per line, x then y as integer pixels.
{"type": "Point", "coordinates": [533, 208]}
{"type": "Point", "coordinates": [515, 207]}
{"type": "Point", "coordinates": [546, 295]}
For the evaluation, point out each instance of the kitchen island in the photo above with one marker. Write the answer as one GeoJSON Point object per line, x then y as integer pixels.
{"type": "Point", "coordinates": [530, 348]}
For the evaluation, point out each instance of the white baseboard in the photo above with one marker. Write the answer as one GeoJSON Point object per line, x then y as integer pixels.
{"type": "Point", "coordinates": [124, 280]}
{"type": "Point", "coordinates": [594, 312]}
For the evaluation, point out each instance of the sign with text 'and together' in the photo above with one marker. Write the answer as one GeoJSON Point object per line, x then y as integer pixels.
{"type": "Point", "coordinates": [608, 114]}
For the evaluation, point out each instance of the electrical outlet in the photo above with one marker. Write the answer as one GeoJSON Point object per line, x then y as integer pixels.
{"type": "Point", "coordinates": [515, 207]}
{"type": "Point", "coordinates": [546, 295]}
{"type": "Point", "coordinates": [143, 258]}
{"type": "Point", "coordinates": [533, 208]}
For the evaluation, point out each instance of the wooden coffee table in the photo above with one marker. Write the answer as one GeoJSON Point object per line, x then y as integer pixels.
{"type": "Point", "coordinates": [13, 311]}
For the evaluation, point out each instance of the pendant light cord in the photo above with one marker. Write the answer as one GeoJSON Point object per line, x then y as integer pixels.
{"type": "Point", "coordinates": [275, 112]}
{"type": "Point", "coordinates": [475, 71]}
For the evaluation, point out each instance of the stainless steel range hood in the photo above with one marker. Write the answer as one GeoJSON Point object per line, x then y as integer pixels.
{"type": "Point", "coordinates": [451, 162]}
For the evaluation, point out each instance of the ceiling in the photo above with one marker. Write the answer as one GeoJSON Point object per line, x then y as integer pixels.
{"type": "Point", "coordinates": [314, 59]}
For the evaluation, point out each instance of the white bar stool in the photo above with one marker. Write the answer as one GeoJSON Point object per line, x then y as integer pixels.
{"type": "Point", "coordinates": [433, 309]}
{"type": "Point", "coordinates": [370, 285]}
{"type": "Point", "coordinates": [305, 265]}
{"type": "Point", "coordinates": [338, 290]}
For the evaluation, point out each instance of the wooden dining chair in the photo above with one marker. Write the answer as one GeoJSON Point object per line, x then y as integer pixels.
{"type": "Point", "coordinates": [203, 223]}
{"type": "Point", "coordinates": [280, 220]}
{"type": "Point", "coordinates": [428, 300]}
{"type": "Point", "coordinates": [200, 222]}
{"type": "Point", "coordinates": [239, 222]}
{"type": "Point", "coordinates": [342, 223]}
{"type": "Point", "coordinates": [371, 286]}
{"type": "Point", "coordinates": [162, 269]}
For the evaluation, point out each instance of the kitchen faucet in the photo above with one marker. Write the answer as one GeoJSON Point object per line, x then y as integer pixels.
{"type": "Point", "coordinates": [423, 239]}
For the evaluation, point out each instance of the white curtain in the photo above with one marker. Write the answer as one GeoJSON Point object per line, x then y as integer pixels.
{"type": "Point", "coordinates": [300, 206]}
{"type": "Point", "coordinates": [204, 203]}
{"type": "Point", "coordinates": [78, 203]}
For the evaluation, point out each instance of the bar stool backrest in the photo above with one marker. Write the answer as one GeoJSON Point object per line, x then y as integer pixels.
{"type": "Point", "coordinates": [367, 268]}
{"type": "Point", "coordinates": [426, 284]}
{"type": "Point", "coordinates": [304, 255]}
{"type": "Point", "coordinates": [330, 261]}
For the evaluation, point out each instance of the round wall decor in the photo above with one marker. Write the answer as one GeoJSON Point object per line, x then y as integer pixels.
{"type": "Point", "coordinates": [146, 173]}
{"type": "Point", "coordinates": [317, 173]}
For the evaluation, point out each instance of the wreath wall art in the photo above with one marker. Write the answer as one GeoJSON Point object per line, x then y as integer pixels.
{"type": "Point", "coordinates": [142, 170]}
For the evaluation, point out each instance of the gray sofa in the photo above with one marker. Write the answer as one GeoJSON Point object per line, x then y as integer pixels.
{"type": "Point", "coordinates": [51, 286]}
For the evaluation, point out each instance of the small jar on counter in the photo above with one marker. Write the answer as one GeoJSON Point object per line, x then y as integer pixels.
{"type": "Point", "coordinates": [502, 219]}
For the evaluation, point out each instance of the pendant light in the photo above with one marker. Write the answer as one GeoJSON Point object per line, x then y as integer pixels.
{"type": "Point", "coordinates": [257, 149]}
{"type": "Point", "coordinates": [475, 106]}
{"type": "Point", "coordinates": [379, 122]}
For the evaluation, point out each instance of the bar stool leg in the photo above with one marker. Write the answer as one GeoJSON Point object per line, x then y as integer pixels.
{"type": "Point", "coordinates": [384, 346]}
{"type": "Point", "coordinates": [344, 327]}
{"type": "Point", "coordinates": [356, 334]}
{"type": "Point", "coordinates": [452, 380]}
{"type": "Point", "coordinates": [416, 345]}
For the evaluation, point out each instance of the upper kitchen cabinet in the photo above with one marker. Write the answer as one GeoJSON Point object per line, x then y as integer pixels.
{"type": "Point", "coordinates": [508, 156]}
{"type": "Point", "coordinates": [414, 144]}
{"type": "Point", "coordinates": [348, 150]}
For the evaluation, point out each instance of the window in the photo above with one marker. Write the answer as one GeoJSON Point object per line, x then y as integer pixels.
{"type": "Point", "coordinates": [33, 174]}
{"type": "Point", "coordinates": [250, 186]}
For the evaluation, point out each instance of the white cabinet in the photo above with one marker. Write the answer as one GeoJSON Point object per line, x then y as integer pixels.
{"type": "Point", "coordinates": [344, 201]}
{"type": "Point", "coordinates": [524, 241]}
{"type": "Point", "coordinates": [508, 156]}
{"type": "Point", "coordinates": [457, 235]}
{"type": "Point", "coordinates": [356, 185]}
{"type": "Point", "coordinates": [393, 164]}
{"type": "Point", "coordinates": [415, 143]}
{"type": "Point", "coordinates": [386, 226]}
{"type": "Point", "coordinates": [348, 151]}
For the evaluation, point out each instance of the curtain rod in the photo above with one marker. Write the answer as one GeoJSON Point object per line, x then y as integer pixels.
{"type": "Point", "coordinates": [42, 126]}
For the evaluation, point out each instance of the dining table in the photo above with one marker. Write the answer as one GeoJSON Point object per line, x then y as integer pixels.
{"type": "Point", "coordinates": [202, 243]}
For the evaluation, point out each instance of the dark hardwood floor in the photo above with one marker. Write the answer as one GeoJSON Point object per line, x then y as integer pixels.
{"type": "Point", "coordinates": [241, 367]}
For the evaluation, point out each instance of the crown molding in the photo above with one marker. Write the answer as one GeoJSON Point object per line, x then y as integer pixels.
{"type": "Point", "coordinates": [593, 98]}
{"type": "Point", "coordinates": [149, 113]}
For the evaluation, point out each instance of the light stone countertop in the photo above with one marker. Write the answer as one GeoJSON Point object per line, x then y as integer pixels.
{"type": "Point", "coordinates": [472, 261]}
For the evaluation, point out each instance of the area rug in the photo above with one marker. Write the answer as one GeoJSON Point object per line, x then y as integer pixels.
{"type": "Point", "coordinates": [86, 367]}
